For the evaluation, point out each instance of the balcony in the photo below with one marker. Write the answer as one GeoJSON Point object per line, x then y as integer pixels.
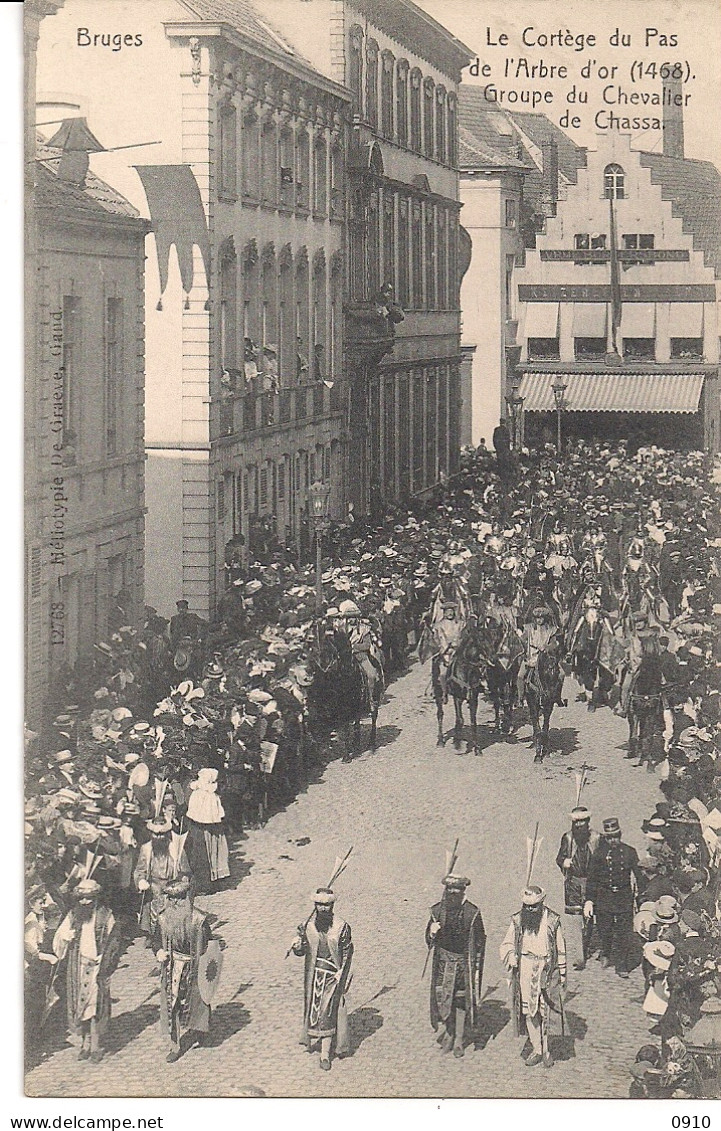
{"type": "Point", "coordinates": [243, 413]}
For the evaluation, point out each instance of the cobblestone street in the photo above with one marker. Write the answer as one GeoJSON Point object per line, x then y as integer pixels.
{"type": "Point", "coordinates": [400, 808]}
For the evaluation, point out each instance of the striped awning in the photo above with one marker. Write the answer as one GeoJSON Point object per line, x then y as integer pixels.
{"type": "Point", "coordinates": [614, 392]}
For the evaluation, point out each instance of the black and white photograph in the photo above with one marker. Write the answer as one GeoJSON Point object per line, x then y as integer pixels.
{"type": "Point", "coordinates": [372, 551]}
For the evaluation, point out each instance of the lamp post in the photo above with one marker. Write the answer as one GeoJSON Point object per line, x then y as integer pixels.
{"type": "Point", "coordinates": [319, 495]}
{"type": "Point", "coordinates": [558, 395]}
{"type": "Point", "coordinates": [515, 407]}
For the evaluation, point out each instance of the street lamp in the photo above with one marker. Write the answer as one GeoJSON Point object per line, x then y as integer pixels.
{"type": "Point", "coordinates": [319, 495]}
{"type": "Point", "coordinates": [515, 406]}
{"type": "Point", "coordinates": [558, 390]}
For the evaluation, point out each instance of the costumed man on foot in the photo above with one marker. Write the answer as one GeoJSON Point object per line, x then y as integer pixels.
{"type": "Point", "coordinates": [456, 933]}
{"type": "Point", "coordinates": [534, 954]}
{"type": "Point", "coordinates": [89, 938]}
{"type": "Point", "coordinates": [574, 860]}
{"type": "Point", "coordinates": [187, 979]}
{"type": "Point", "coordinates": [325, 943]}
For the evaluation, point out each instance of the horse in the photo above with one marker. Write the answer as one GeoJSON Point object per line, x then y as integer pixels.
{"type": "Point", "coordinates": [345, 688]}
{"type": "Point", "coordinates": [503, 652]}
{"type": "Point", "coordinates": [463, 683]}
{"type": "Point", "coordinates": [542, 692]}
{"type": "Point", "coordinates": [645, 712]}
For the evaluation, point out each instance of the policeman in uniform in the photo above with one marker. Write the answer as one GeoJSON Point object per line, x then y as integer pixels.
{"type": "Point", "coordinates": [610, 895]}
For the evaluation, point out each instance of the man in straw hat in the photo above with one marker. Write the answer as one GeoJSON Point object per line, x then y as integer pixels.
{"type": "Point", "coordinates": [89, 939]}
{"type": "Point", "coordinates": [184, 935]}
{"type": "Point", "coordinates": [456, 933]}
{"type": "Point", "coordinates": [574, 860]}
{"type": "Point", "coordinates": [325, 943]}
{"type": "Point", "coordinates": [534, 954]}
{"type": "Point", "coordinates": [610, 895]}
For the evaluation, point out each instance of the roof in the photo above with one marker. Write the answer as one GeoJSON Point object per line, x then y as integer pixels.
{"type": "Point", "coordinates": [242, 17]}
{"type": "Point", "coordinates": [694, 188]}
{"type": "Point", "coordinates": [614, 392]}
{"type": "Point", "coordinates": [410, 25]}
{"type": "Point", "coordinates": [94, 198]}
{"type": "Point", "coordinates": [500, 137]}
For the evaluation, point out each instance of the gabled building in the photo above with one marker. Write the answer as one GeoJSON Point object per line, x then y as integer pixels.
{"type": "Point", "coordinates": [402, 69]}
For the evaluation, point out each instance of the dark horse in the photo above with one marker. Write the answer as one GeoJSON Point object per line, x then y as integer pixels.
{"type": "Point", "coordinates": [462, 681]}
{"type": "Point", "coordinates": [543, 692]}
{"type": "Point", "coordinates": [503, 651]}
{"type": "Point", "coordinates": [645, 712]}
{"type": "Point", "coordinates": [345, 689]}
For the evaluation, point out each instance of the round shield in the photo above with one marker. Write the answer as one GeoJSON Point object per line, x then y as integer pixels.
{"type": "Point", "coordinates": [182, 659]}
{"type": "Point", "coordinates": [209, 969]}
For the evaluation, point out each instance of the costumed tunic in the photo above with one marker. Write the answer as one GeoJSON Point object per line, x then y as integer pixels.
{"type": "Point", "coordinates": [184, 938]}
{"type": "Point", "coordinates": [328, 956]}
{"type": "Point", "coordinates": [207, 843]}
{"type": "Point", "coordinates": [93, 952]}
{"type": "Point", "coordinates": [575, 877]}
{"type": "Point", "coordinates": [459, 950]}
{"type": "Point", "coordinates": [157, 869]}
{"type": "Point", "coordinates": [541, 966]}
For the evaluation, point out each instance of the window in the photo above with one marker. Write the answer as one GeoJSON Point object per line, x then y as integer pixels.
{"type": "Point", "coordinates": [441, 123]}
{"type": "Point", "coordinates": [356, 69]}
{"type": "Point", "coordinates": [221, 500]}
{"type": "Point", "coordinates": [373, 249]}
{"type": "Point", "coordinates": [543, 348]}
{"type": "Point", "coordinates": [71, 372]}
{"type": "Point", "coordinates": [402, 102]}
{"type": "Point", "coordinates": [113, 370]}
{"type": "Point", "coordinates": [613, 182]}
{"type": "Point", "coordinates": [582, 241]}
{"type": "Point", "coordinates": [387, 64]}
{"type": "Point", "coordinates": [336, 180]}
{"type": "Point", "coordinates": [636, 242]}
{"type": "Point", "coordinates": [403, 252]}
{"type": "Point", "coordinates": [287, 172]}
{"type": "Point", "coordinates": [644, 348]}
{"type": "Point", "coordinates": [691, 348]}
{"type": "Point", "coordinates": [228, 150]}
{"type": "Point", "coordinates": [511, 215]}
{"type": "Point", "coordinates": [251, 155]}
{"type": "Point", "coordinates": [510, 265]}
{"type": "Point", "coordinates": [589, 347]}
{"type": "Point", "coordinates": [302, 165]}
{"type": "Point", "coordinates": [428, 97]}
{"type": "Point", "coordinates": [453, 281]}
{"type": "Point", "coordinates": [452, 131]}
{"type": "Point", "coordinates": [430, 258]}
{"type": "Point", "coordinates": [372, 84]}
{"type": "Point", "coordinates": [321, 178]}
{"type": "Point", "coordinates": [416, 257]}
{"type": "Point", "coordinates": [263, 488]}
{"type": "Point", "coordinates": [269, 163]}
{"type": "Point", "coordinates": [442, 260]}
{"type": "Point", "coordinates": [389, 249]}
{"type": "Point", "coordinates": [416, 135]}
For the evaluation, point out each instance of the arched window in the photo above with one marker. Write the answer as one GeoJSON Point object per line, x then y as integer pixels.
{"type": "Point", "coordinates": [373, 247]}
{"type": "Point", "coordinates": [302, 168]}
{"type": "Point", "coordinates": [269, 163]}
{"type": "Point", "coordinates": [389, 240]}
{"type": "Point", "coordinates": [430, 257]}
{"type": "Point", "coordinates": [441, 123]}
{"type": "Point", "coordinates": [402, 101]}
{"type": "Point", "coordinates": [404, 244]}
{"type": "Point", "coordinates": [613, 182]}
{"type": "Point", "coordinates": [336, 179]}
{"type": "Point", "coordinates": [387, 63]}
{"type": "Point", "coordinates": [287, 171]}
{"type": "Point", "coordinates": [227, 124]}
{"type": "Point", "coordinates": [335, 344]}
{"type": "Point", "coordinates": [357, 242]}
{"type": "Point", "coordinates": [452, 130]}
{"type": "Point", "coordinates": [356, 68]}
{"type": "Point", "coordinates": [320, 202]}
{"type": "Point", "coordinates": [286, 320]}
{"type": "Point", "coordinates": [416, 256]}
{"type": "Point", "coordinates": [428, 98]}
{"type": "Point", "coordinates": [251, 154]}
{"type": "Point", "coordinates": [372, 84]}
{"type": "Point", "coordinates": [268, 310]}
{"type": "Point", "coordinates": [302, 312]}
{"type": "Point", "coordinates": [442, 258]}
{"type": "Point", "coordinates": [416, 132]}
{"type": "Point", "coordinates": [318, 315]}
{"type": "Point", "coordinates": [228, 307]}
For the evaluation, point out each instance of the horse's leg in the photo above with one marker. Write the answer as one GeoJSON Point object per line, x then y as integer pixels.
{"type": "Point", "coordinates": [473, 711]}
{"type": "Point", "coordinates": [458, 725]}
{"type": "Point", "coordinates": [547, 712]}
{"type": "Point", "coordinates": [632, 724]}
{"type": "Point", "coordinates": [374, 720]}
{"type": "Point", "coordinates": [440, 741]}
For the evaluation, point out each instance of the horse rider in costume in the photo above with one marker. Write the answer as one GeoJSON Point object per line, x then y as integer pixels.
{"type": "Point", "coordinates": [536, 638]}
{"type": "Point", "coordinates": [363, 641]}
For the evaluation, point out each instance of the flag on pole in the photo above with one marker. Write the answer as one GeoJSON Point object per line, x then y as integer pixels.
{"type": "Point", "coordinates": [616, 302]}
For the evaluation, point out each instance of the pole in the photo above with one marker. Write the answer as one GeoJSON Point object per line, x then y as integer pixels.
{"type": "Point", "coordinates": [558, 428]}
{"type": "Point", "coordinates": [318, 571]}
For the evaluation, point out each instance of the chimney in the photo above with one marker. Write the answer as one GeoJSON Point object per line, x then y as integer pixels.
{"type": "Point", "coordinates": [76, 142]}
{"type": "Point", "coordinates": [673, 98]}
{"type": "Point", "coordinates": [549, 195]}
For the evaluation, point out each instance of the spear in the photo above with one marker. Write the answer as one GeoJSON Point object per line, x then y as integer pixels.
{"type": "Point", "coordinates": [532, 854]}
{"type": "Point", "coordinates": [580, 783]}
{"type": "Point", "coordinates": [340, 867]}
{"type": "Point", "coordinates": [450, 865]}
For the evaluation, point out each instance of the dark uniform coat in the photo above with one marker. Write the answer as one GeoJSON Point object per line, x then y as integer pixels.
{"type": "Point", "coordinates": [609, 886]}
{"type": "Point", "coordinates": [473, 937]}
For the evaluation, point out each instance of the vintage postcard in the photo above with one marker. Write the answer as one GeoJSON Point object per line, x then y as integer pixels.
{"type": "Point", "coordinates": [372, 549]}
